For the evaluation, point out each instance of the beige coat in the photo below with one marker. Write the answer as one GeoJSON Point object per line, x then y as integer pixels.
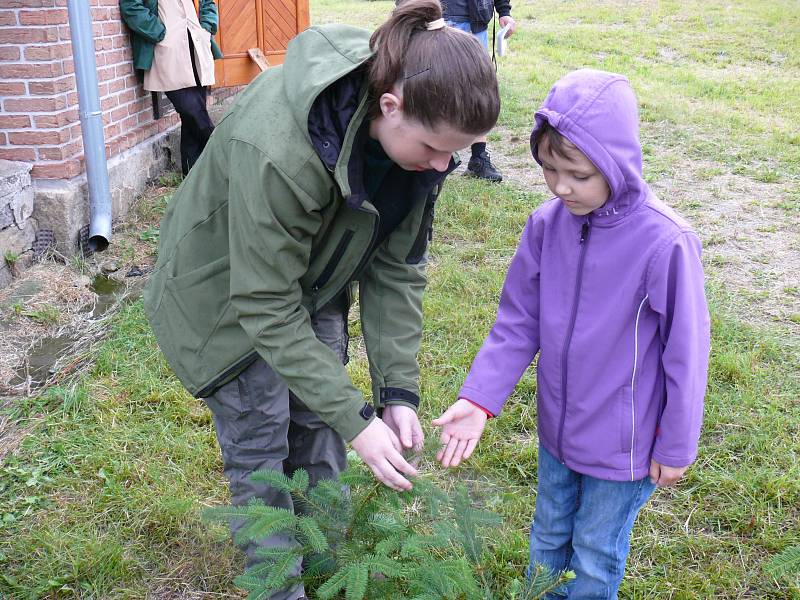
{"type": "Point", "coordinates": [172, 64]}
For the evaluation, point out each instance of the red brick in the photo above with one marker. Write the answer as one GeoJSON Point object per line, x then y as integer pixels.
{"type": "Point", "coordinates": [119, 113]}
{"type": "Point", "coordinates": [26, 105]}
{"type": "Point", "coordinates": [28, 3]}
{"type": "Point", "coordinates": [100, 14]}
{"type": "Point", "coordinates": [29, 35]}
{"type": "Point", "coordinates": [127, 96]}
{"type": "Point", "coordinates": [117, 85]}
{"type": "Point", "coordinates": [21, 154]}
{"type": "Point", "coordinates": [62, 170]}
{"type": "Point", "coordinates": [53, 86]}
{"type": "Point", "coordinates": [14, 121]}
{"type": "Point", "coordinates": [8, 18]}
{"type": "Point", "coordinates": [120, 41]}
{"type": "Point", "coordinates": [61, 119]}
{"type": "Point", "coordinates": [109, 102]}
{"type": "Point", "coordinates": [37, 138]}
{"type": "Point", "coordinates": [60, 152]}
{"type": "Point", "coordinates": [105, 74]}
{"type": "Point", "coordinates": [9, 53]}
{"type": "Point", "coordinates": [116, 56]}
{"type": "Point", "coordinates": [69, 66]}
{"type": "Point", "coordinates": [30, 70]}
{"type": "Point", "coordinates": [3, 139]}
{"type": "Point", "coordinates": [112, 28]}
{"type": "Point", "coordinates": [72, 99]}
{"type": "Point", "coordinates": [16, 88]}
{"type": "Point", "coordinates": [129, 123]}
{"type": "Point", "coordinates": [104, 43]}
{"type": "Point", "coordinates": [50, 52]}
{"type": "Point", "coordinates": [43, 17]}
{"type": "Point", "coordinates": [75, 132]}
{"type": "Point", "coordinates": [112, 131]}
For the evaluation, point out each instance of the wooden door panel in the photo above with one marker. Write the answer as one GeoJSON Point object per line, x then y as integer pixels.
{"type": "Point", "coordinates": [264, 24]}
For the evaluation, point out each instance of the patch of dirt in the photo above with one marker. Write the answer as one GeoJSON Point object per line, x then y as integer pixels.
{"type": "Point", "coordinates": [751, 242]}
{"type": "Point", "coordinates": [54, 313]}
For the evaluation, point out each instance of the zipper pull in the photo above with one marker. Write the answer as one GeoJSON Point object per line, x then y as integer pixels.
{"type": "Point", "coordinates": [584, 232]}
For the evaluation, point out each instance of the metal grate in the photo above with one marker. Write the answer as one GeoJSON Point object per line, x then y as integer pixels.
{"type": "Point", "coordinates": [45, 240]}
{"type": "Point", "coordinates": [83, 242]}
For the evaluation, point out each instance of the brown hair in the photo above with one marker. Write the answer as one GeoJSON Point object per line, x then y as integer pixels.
{"type": "Point", "coordinates": [559, 145]}
{"type": "Point", "coordinates": [446, 74]}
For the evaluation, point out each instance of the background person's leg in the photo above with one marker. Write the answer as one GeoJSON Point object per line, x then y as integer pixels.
{"type": "Point", "coordinates": [196, 124]}
{"type": "Point", "coordinates": [480, 164]}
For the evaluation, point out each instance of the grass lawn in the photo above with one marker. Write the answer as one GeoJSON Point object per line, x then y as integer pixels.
{"type": "Point", "coordinates": [102, 498]}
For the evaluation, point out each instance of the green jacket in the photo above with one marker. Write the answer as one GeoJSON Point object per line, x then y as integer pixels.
{"type": "Point", "coordinates": [273, 222]}
{"type": "Point", "coordinates": [141, 16]}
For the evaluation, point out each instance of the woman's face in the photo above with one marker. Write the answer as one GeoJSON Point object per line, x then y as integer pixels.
{"type": "Point", "coordinates": [409, 143]}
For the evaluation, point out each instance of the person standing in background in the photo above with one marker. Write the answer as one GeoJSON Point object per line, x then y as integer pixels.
{"type": "Point", "coordinates": [474, 16]}
{"type": "Point", "coordinates": [172, 44]}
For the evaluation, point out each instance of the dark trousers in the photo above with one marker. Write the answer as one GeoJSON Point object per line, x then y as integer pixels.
{"type": "Point", "coordinates": [196, 125]}
{"type": "Point", "coordinates": [260, 425]}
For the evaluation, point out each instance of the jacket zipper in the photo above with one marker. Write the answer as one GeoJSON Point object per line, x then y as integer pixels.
{"type": "Point", "coordinates": [334, 261]}
{"type": "Point", "coordinates": [323, 278]}
{"type": "Point", "coordinates": [584, 242]}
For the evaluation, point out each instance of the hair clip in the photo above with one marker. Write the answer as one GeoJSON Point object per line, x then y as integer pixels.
{"type": "Point", "coordinates": [417, 73]}
{"type": "Point", "coordinates": [437, 24]}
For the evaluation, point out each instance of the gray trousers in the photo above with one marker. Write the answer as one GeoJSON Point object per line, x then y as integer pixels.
{"type": "Point", "coordinates": [260, 425]}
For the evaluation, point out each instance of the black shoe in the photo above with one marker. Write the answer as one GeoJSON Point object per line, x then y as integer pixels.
{"type": "Point", "coordinates": [480, 165]}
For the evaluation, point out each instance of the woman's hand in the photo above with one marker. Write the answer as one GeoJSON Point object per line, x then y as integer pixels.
{"type": "Point", "coordinates": [405, 424]}
{"type": "Point", "coordinates": [380, 449]}
{"type": "Point", "coordinates": [462, 426]}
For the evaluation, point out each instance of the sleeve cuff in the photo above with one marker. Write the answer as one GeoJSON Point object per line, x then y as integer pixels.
{"type": "Point", "coordinates": [390, 395]}
{"type": "Point", "coordinates": [488, 414]}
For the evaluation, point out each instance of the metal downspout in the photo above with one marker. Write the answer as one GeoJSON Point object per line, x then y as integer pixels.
{"type": "Point", "coordinates": [94, 146]}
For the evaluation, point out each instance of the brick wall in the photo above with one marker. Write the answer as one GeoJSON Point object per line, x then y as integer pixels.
{"type": "Point", "coordinates": [39, 121]}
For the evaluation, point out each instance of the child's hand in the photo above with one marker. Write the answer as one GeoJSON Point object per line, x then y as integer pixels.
{"type": "Point", "coordinates": [664, 476]}
{"type": "Point", "coordinates": [462, 425]}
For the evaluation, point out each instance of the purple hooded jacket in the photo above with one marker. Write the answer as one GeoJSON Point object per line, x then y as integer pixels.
{"type": "Point", "coordinates": [613, 301]}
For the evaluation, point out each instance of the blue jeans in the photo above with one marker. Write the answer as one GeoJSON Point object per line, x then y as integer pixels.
{"type": "Point", "coordinates": [481, 36]}
{"type": "Point", "coordinates": [584, 524]}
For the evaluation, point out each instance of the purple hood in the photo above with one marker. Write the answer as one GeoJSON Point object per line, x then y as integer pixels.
{"type": "Point", "coordinates": [613, 302]}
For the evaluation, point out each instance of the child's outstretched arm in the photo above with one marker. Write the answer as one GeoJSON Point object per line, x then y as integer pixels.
{"type": "Point", "coordinates": [462, 425]}
{"type": "Point", "coordinates": [675, 289]}
{"type": "Point", "coordinates": [507, 351]}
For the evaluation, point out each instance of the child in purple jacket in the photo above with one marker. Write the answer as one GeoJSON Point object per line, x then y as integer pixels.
{"type": "Point", "coordinates": [607, 287]}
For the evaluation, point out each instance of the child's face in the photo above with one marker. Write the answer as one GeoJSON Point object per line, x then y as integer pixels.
{"type": "Point", "coordinates": [574, 178]}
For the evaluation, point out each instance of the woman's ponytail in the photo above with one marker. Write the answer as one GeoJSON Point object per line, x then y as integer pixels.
{"type": "Point", "coordinates": [445, 74]}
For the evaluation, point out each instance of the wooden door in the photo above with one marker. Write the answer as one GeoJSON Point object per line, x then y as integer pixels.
{"type": "Point", "coordinates": [264, 24]}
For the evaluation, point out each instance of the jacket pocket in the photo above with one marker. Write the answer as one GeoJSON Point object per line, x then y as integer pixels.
{"type": "Point", "coordinates": [627, 416]}
{"type": "Point", "coordinates": [198, 299]}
